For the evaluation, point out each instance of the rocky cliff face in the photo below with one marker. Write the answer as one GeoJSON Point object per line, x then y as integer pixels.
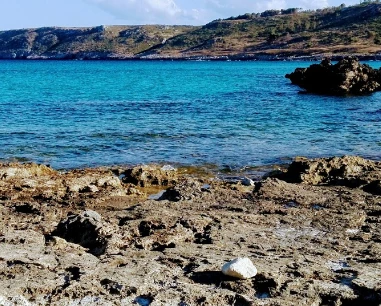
{"type": "Point", "coordinates": [102, 42]}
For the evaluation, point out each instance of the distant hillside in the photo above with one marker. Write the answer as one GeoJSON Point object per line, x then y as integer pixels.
{"type": "Point", "coordinates": [270, 35]}
{"type": "Point", "coordinates": [85, 43]}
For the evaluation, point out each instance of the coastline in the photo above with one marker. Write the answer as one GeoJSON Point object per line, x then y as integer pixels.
{"type": "Point", "coordinates": [97, 56]}
{"type": "Point", "coordinates": [154, 235]}
{"type": "Point", "coordinates": [289, 34]}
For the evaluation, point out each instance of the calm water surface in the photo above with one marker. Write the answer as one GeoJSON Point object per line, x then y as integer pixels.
{"type": "Point", "coordinates": [236, 114]}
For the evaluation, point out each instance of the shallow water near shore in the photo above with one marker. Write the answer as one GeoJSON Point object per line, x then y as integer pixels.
{"type": "Point", "coordinates": [229, 115]}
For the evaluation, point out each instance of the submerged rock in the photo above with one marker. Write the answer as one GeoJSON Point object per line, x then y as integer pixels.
{"type": "Point", "coordinates": [241, 268]}
{"type": "Point", "coordinates": [347, 77]}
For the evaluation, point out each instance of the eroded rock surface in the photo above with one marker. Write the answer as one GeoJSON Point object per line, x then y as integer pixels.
{"type": "Point", "coordinates": [147, 175]}
{"type": "Point", "coordinates": [350, 171]}
{"type": "Point", "coordinates": [86, 237]}
{"type": "Point", "coordinates": [346, 77]}
{"type": "Point", "coordinates": [83, 229]}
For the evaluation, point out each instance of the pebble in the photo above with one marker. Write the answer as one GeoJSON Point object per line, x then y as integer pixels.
{"type": "Point", "coordinates": [247, 181]}
{"type": "Point", "coordinates": [168, 168]}
{"type": "Point", "coordinates": [242, 268]}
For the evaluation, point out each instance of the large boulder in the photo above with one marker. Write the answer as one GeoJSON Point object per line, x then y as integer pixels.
{"type": "Point", "coordinates": [347, 77]}
{"type": "Point", "coordinates": [185, 190]}
{"type": "Point", "coordinates": [23, 171]}
{"type": "Point", "coordinates": [83, 229]}
{"type": "Point", "coordinates": [351, 171]}
{"type": "Point", "coordinates": [150, 175]}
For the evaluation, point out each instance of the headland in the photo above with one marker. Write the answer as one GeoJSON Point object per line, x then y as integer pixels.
{"type": "Point", "coordinates": [156, 235]}
{"type": "Point", "coordinates": [289, 34]}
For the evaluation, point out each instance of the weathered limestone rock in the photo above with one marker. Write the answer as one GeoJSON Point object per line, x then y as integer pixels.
{"type": "Point", "coordinates": [83, 229]}
{"type": "Point", "coordinates": [25, 247]}
{"type": "Point", "coordinates": [92, 181]}
{"type": "Point", "coordinates": [351, 171]}
{"type": "Point", "coordinates": [369, 281]}
{"type": "Point", "coordinates": [22, 171]}
{"type": "Point", "coordinates": [184, 190]}
{"type": "Point", "coordinates": [291, 194]}
{"type": "Point", "coordinates": [315, 236]}
{"type": "Point", "coordinates": [149, 175]}
{"type": "Point", "coordinates": [348, 76]}
{"type": "Point", "coordinates": [25, 181]}
{"type": "Point", "coordinates": [241, 268]}
{"type": "Point", "coordinates": [247, 182]}
{"type": "Point", "coordinates": [160, 238]}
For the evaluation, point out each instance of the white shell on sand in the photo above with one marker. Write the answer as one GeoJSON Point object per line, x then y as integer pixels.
{"type": "Point", "coordinates": [242, 268]}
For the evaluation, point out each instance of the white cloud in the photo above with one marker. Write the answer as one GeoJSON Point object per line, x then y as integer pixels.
{"type": "Point", "coordinates": [197, 11]}
{"type": "Point", "coordinates": [237, 7]}
{"type": "Point", "coordinates": [271, 5]}
{"type": "Point", "coordinates": [144, 11]}
{"type": "Point", "coordinates": [307, 4]}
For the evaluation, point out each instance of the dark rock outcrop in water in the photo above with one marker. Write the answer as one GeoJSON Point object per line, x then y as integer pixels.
{"type": "Point", "coordinates": [347, 77]}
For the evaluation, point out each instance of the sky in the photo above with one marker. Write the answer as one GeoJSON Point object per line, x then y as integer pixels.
{"type": "Point", "coordinates": [17, 14]}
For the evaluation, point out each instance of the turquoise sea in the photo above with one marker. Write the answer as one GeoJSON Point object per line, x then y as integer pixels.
{"type": "Point", "coordinates": [227, 114]}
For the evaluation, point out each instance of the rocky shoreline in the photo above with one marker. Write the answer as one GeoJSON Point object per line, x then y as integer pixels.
{"type": "Point", "coordinates": [152, 235]}
{"type": "Point", "coordinates": [107, 56]}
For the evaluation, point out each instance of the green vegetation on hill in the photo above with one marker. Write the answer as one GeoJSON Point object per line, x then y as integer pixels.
{"type": "Point", "coordinates": [336, 30]}
{"type": "Point", "coordinates": [93, 42]}
{"type": "Point", "coordinates": [355, 29]}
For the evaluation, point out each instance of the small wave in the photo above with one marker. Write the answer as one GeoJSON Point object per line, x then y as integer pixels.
{"type": "Point", "coordinates": [16, 159]}
{"type": "Point", "coordinates": [19, 133]}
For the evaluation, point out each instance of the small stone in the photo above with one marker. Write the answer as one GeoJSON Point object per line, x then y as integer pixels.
{"type": "Point", "coordinates": [168, 168]}
{"type": "Point", "coordinates": [241, 268]}
{"type": "Point", "coordinates": [83, 229]}
{"type": "Point", "coordinates": [90, 214]}
{"type": "Point", "coordinates": [89, 188]}
{"type": "Point", "coordinates": [247, 181]}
